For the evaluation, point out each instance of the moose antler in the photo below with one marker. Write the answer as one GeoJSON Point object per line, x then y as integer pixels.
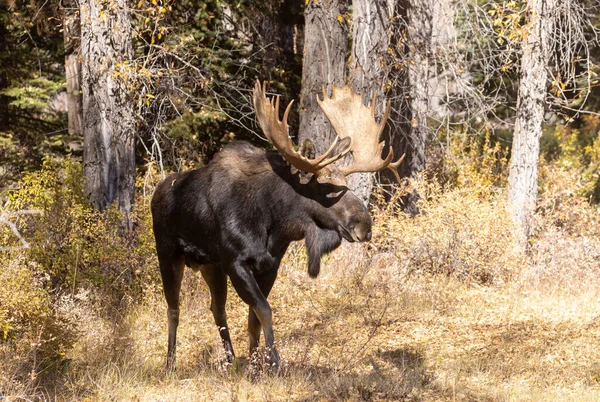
{"type": "Point", "coordinates": [267, 113]}
{"type": "Point", "coordinates": [350, 118]}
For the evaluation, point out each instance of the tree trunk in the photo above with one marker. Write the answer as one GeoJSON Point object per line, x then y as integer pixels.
{"type": "Point", "coordinates": [419, 15]}
{"type": "Point", "coordinates": [108, 111]}
{"type": "Point", "coordinates": [275, 40]}
{"type": "Point", "coordinates": [277, 37]}
{"type": "Point", "coordinates": [523, 177]}
{"type": "Point", "coordinates": [419, 34]}
{"type": "Point", "coordinates": [72, 37]}
{"type": "Point", "coordinates": [323, 64]}
{"type": "Point", "coordinates": [446, 72]}
{"type": "Point", "coordinates": [370, 42]}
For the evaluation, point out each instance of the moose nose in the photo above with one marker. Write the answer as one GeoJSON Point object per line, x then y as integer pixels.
{"type": "Point", "coordinates": [361, 235]}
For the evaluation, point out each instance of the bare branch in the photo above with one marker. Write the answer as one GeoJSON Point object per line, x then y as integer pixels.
{"type": "Point", "coordinates": [5, 219]}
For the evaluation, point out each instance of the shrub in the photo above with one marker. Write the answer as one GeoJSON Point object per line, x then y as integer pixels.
{"type": "Point", "coordinates": [73, 249]}
{"type": "Point", "coordinates": [478, 164]}
{"type": "Point", "coordinates": [72, 242]}
{"type": "Point", "coordinates": [463, 229]}
{"type": "Point", "coordinates": [35, 336]}
{"type": "Point", "coordinates": [457, 233]}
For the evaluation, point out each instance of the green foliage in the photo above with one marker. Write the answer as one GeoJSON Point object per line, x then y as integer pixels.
{"type": "Point", "coordinates": [205, 58]}
{"type": "Point", "coordinates": [199, 135]}
{"type": "Point", "coordinates": [31, 72]}
{"type": "Point", "coordinates": [32, 94]}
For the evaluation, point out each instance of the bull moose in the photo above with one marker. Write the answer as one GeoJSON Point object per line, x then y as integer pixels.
{"type": "Point", "coordinates": [236, 216]}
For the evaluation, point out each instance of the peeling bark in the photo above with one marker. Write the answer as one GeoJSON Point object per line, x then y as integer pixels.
{"type": "Point", "coordinates": [108, 111]}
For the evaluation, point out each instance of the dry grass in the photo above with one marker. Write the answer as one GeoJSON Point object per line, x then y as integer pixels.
{"type": "Point", "coordinates": [437, 307]}
{"type": "Point", "coordinates": [360, 332]}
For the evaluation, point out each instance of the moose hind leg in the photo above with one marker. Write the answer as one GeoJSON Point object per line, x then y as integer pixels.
{"type": "Point", "coordinates": [171, 270]}
{"type": "Point", "coordinates": [217, 284]}
{"type": "Point", "coordinates": [265, 282]}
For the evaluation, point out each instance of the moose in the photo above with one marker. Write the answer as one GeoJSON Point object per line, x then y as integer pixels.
{"type": "Point", "coordinates": [236, 216]}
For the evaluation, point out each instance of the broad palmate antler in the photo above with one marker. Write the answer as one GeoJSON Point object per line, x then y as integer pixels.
{"type": "Point", "coordinates": [267, 113]}
{"type": "Point", "coordinates": [350, 118]}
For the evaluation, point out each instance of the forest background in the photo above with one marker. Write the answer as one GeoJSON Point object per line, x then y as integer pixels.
{"type": "Point", "coordinates": [480, 283]}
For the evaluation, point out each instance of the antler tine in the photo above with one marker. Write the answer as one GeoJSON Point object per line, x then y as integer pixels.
{"type": "Point", "coordinates": [276, 131]}
{"type": "Point", "coordinates": [277, 108]}
{"type": "Point", "coordinates": [394, 166]}
{"type": "Point", "coordinates": [325, 96]}
{"type": "Point", "coordinates": [374, 165]}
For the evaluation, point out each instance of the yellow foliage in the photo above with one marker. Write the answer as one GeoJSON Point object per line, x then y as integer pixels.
{"type": "Point", "coordinates": [479, 166]}
{"type": "Point", "coordinates": [458, 232]}
{"type": "Point", "coordinates": [24, 304]}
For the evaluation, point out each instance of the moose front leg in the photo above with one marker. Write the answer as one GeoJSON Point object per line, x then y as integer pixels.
{"type": "Point", "coordinates": [250, 292]}
{"type": "Point", "coordinates": [265, 283]}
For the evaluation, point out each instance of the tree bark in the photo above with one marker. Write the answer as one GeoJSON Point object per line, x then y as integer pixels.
{"type": "Point", "coordinates": [525, 154]}
{"type": "Point", "coordinates": [277, 31]}
{"type": "Point", "coordinates": [370, 42]}
{"type": "Point", "coordinates": [412, 101]}
{"type": "Point", "coordinates": [276, 34]}
{"type": "Point", "coordinates": [108, 111]}
{"type": "Point", "coordinates": [419, 34]}
{"type": "Point", "coordinates": [72, 38]}
{"type": "Point", "coordinates": [323, 65]}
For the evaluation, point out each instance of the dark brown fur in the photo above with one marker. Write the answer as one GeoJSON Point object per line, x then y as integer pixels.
{"type": "Point", "coordinates": [235, 218]}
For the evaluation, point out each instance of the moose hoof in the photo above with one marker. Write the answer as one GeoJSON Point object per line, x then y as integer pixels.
{"type": "Point", "coordinates": [274, 362]}
{"type": "Point", "coordinates": [229, 357]}
{"type": "Point", "coordinates": [170, 366]}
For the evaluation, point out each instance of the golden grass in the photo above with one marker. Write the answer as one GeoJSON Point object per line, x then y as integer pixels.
{"type": "Point", "coordinates": [361, 331]}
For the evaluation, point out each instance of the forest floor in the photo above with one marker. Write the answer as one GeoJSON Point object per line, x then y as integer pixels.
{"type": "Point", "coordinates": [366, 329]}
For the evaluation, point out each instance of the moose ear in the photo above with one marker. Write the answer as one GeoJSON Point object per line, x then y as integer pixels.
{"type": "Point", "coordinates": [307, 149]}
